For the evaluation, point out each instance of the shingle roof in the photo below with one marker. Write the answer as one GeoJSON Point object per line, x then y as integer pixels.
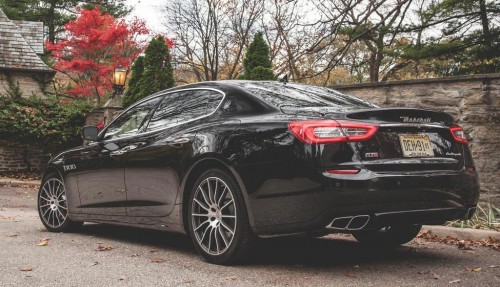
{"type": "Point", "coordinates": [32, 32]}
{"type": "Point", "coordinates": [15, 52]}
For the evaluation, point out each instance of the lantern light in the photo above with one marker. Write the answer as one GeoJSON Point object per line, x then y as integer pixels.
{"type": "Point", "coordinates": [119, 76]}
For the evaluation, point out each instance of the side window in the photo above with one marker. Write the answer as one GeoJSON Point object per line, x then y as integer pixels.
{"type": "Point", "coordinates": [131, 121]}
{"type": "Point", "coordinates": [195, 105]}
{"type": "Point", "coordinates": [164, 114]}
{"type": "Point", "coordinates": [182, 107]}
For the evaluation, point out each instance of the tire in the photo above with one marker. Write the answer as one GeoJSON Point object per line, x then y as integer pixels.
{"type": "Point", "coordinates": [53, 207]}
{"type": "Point", "coordinates": [388, 236]}
{"type": "Point", "coordinates": [218, 220]}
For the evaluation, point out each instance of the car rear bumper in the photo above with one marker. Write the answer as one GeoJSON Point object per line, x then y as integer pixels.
{"type": "Point", "coordinates": [407, 198]}
{"type": "Point", "coordinates": [382, 219]}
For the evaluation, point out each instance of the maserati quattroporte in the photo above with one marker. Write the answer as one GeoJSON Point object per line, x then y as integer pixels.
{"type": "Point", "coordinates": [226, 162]}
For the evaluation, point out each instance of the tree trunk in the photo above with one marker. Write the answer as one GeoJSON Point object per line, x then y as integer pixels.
{"type": "Point", "coordinates": [50, 21]}
{"type": "Point", "coordinates": [485, 23]}
{"type": "Point", "coordinates": [375, 61]}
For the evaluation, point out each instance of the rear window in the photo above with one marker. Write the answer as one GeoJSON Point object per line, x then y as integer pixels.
{"type": "Point", "coordinates": [300, 95]}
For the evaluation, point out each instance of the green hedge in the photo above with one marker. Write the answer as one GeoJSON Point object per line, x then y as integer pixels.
{"type": "Point", "coordinates": [42, 122]}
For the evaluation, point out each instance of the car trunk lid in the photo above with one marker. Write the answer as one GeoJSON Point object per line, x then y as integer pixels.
{"type": "Point", "coordinates": [408, 140]}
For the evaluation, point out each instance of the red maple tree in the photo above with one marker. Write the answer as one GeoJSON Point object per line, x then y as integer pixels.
{"type": "Point", "coordinates": [94, 45]}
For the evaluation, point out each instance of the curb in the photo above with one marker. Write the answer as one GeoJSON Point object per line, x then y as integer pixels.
{"type": "Point", "coordinates": [17, 182]}
{"type": "Point", "coordinates": [462, 233]}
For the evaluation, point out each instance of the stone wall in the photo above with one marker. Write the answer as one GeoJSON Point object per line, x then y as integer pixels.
{"type": "Point", "coordinates": [106, 115]}
{"type": "Point", "coordinates": [94, 117]}
{"type": "Point", "coordinates": [20, 158]}
{"type": "Point", "coordinates": [28, 85]}
{"type": "Point", "coordinates": [474, 101]}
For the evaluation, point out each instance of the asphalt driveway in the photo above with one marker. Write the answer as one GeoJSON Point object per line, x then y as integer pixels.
{"type": "Point", "coordinates": [102, 255]}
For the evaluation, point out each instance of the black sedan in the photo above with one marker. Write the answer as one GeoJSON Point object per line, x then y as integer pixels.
{"type": "Point", "coordinates": [226, 162]}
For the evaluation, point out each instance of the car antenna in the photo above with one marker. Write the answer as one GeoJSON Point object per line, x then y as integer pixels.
{"type": "Point", "coordinates": [284, 79]}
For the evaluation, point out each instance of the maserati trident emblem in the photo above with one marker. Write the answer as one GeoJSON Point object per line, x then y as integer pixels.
{"type": "Point", "coordinates": [415, 120]}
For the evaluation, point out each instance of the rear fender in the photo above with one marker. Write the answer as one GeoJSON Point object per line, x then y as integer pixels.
{"type": "Point", "coordinates": [205, 161]}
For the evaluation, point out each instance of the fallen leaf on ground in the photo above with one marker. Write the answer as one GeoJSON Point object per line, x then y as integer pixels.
{"type": "Point", "coordinates": [153, 250]}
{"type": "Point", "coordinates": [101, 247]}
{"type": "Point", "coordinates": [230, 278]}
{"type": "Point", "coordinates": [434, 275]}
{"type": "Point", "coordinates": [493, 266]}
{"type": "Point", "coordinates": [455, 281]}
{"type": "Point", "coordinates": [135, 255]}
{"type": "Point", "coordinates": [7, 218]}
{"type": "Point", "coordinates": [43, 242]}
{"type": "Point", "coordinates": [478, 269]}
{"type": "Point", "coordinates": [26, 268]}
{"type": "Point", "coordinates": [94, 264]}
{"type": "Point", "coordinates": [419, 241]}
{"type": "Point", "coordinates": [26, 175]}
{"type": "Point", "coordinates": [424, 232]}
{"type": "Point", "coordinates": [462, 245]}
{"type": "Point", "coordinates": [158, 260]}
{"type": "Point", "coordinates": [13, 235]}
{"type": "Point", "coordinates": [350, 274]}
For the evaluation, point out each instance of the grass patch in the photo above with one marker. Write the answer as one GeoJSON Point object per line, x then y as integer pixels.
{"type": "Point", "coordinates": [487, 217]}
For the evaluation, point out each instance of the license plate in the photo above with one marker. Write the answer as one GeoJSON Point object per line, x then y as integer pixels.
{"type": "Point", "coordinates": [416, 145]}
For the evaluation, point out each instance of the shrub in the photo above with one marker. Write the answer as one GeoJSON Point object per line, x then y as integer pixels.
{"type": "Point", "coordinates": [261, 73]}
{"type": "Point", "coordinates": [257, 62]}
{"type": "Point", "coordinates": [42, 122]}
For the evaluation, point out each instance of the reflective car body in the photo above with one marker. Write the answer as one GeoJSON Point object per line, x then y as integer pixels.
{"type": "Point", "coordinates": [277, 141]}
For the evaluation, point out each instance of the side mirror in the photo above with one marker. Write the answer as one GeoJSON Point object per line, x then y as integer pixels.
{"type": "Point", "coordinates": [90, 133]}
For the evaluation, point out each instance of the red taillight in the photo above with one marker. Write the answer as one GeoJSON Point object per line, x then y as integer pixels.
{"type": "Point", "coordinates": [458, 134]}
{"type": "Point", "coordinates": [330, 131]}
{"type": "Point", "coordinates": [343, 171]}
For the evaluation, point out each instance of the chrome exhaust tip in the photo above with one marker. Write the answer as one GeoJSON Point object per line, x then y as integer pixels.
{"type": "Point", "coordinates": [340, 223]}
{"type": "Point", "coordinates": [358, 222]}
{"type": "Point", "coordinates": [349, 223]}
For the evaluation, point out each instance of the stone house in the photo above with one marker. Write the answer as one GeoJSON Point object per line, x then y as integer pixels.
{"type": "Point", "coordinates": [22, 72]}
{"type": "Point", "coordinates": [21, 68]}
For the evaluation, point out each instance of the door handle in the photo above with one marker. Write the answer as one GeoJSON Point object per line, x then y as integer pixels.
{"type": "Point", "coordinates": [126, 149]}
{"type": "Point", "coordinates": [117, 153]}
{"type": "Point", "coordinates": [178, 142]}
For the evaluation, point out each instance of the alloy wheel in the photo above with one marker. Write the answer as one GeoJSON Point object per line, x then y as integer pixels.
{"type": "Point", "coordinates": [52, 203]}
{"type": "Point", "coordinates": [213, 215]}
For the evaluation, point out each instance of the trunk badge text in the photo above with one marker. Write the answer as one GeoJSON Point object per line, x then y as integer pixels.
{"type": "Point", "coordinates": [415, 120]}
{"type": "Point", "coordinates": [371, 154]}
{"type": "Point", "coordinates": [69, 167]}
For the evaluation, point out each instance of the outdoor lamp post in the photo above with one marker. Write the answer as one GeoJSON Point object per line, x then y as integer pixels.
{"type": "Point", "coordinates": [118, 80]}
{"type": "Point", "coordinates": [114, 105]}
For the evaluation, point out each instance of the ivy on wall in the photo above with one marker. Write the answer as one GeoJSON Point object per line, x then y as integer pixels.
{"type": "Point", "coordinates": [13, 89]}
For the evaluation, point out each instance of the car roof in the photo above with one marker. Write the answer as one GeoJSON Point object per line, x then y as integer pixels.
{"type": "Point", "coordinates": [276, 95]}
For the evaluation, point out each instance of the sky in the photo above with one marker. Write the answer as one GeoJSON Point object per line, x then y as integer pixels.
{"type": "Point", "coordinates": [149, 11]}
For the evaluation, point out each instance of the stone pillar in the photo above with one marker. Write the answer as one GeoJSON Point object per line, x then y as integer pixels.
{"type": "Point", "coordinates": [112, 109]}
